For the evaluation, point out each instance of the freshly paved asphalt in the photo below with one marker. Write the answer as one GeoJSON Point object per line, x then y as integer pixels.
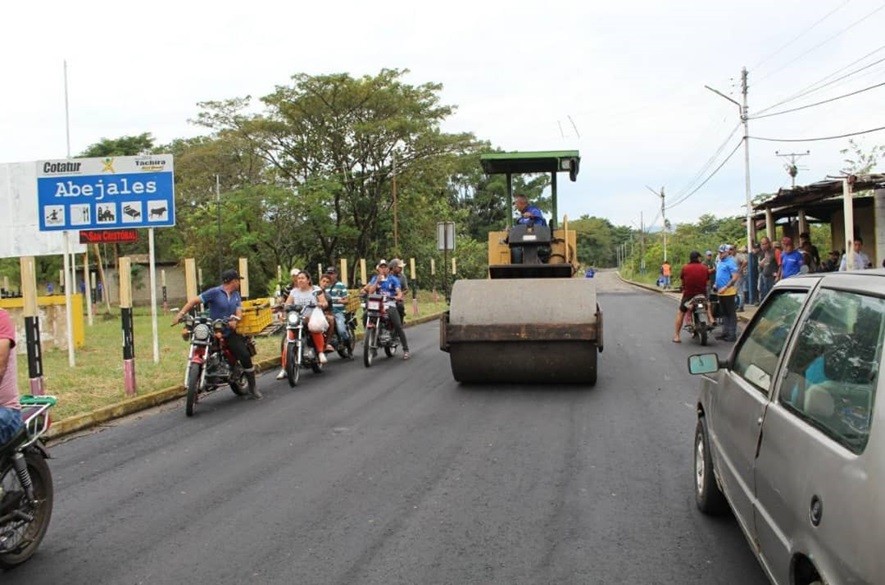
{"type": "Point", "coordinates": [397, 474]}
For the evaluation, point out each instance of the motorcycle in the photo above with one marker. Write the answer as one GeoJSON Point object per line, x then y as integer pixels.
{"type": "Point", "coordinates": [345, 350]}
{"type": "Point", "coordinates": [210, 362]}
{"type": "Point", "coordinates": [300, 350]}
{"type": "Point", "coordinates": [26, 492]}
{"type": "Point", "coordinates": [697, 318]}
{"type": "Point", "coordinates": [379, 329]}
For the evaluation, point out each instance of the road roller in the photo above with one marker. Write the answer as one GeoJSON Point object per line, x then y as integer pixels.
{"type": "Point", "coordinates": [531, 321]}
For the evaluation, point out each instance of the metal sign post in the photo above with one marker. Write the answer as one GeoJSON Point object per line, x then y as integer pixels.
{"type": "Point", "coordinates": [445, 241]}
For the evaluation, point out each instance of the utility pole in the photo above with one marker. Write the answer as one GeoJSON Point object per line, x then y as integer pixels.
{"type": "Point", "coordinates": [792, 169]}
{"type": "Point", "coordinates": [641, 244]}
{"type": "Point", "coordinates": [395, 222]}
{"type": "Point", "coordinates": [663, 216]}
{"type": "Point", "coordinates": [744, 113]}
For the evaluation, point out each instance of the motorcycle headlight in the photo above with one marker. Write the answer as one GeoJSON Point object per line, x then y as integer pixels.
{"type": "Point", "coordinates": [293, 318]}
{"type": "Point", "coordinates": [373, 305]}
{"type": "Point", "coordinates": [202, 332]}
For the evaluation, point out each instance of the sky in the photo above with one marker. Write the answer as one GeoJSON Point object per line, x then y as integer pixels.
{"type": "Point", "coordinates": [623, 82]}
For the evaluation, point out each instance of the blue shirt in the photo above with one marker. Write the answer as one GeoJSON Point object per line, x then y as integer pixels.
{"type": "Point", "coordinates": [725, 269]}
{"type": "Point", "coordinates": [536, 219]}
{"type": "Point", "coordinates": [791, 262]}
{"type": "Point", "coordinates": [388, 286]}
{"type": "Point", "coordinates": [221, 306]}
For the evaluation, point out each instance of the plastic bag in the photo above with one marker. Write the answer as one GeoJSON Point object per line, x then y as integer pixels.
{"type": "Point", "coordinates": [317, 322]}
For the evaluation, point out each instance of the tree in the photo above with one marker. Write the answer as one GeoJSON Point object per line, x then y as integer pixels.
{"type": "Point", "coordinates": [332, 140]}
{"type": "Point", "coordinates": [858, 162]}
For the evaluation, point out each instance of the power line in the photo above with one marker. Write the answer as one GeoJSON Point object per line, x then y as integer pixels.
{"type": "Point", "coordinates": [706, 166]}
{"type": "Point", "coordinates": [818, 139]}
{"type": "Point", "coordinates": [822, 43]}
{"type": "Point", "coordinates": [800, 35]}
{"type": "Point", "coordinates": [811, 88]}
{"type": "Point", "coordinates": [710, 176]}
{"type": "Point", "coordinates": [818, 103]}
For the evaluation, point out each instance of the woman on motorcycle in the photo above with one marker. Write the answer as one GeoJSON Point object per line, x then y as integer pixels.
{"type": "Point", "coordinates": [305, 294]}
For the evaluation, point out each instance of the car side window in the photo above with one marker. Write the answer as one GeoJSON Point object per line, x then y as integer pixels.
{"type": "Point", "coordinates": [756, 358]}
{"type": "Point", "coordinates": [833, 369]}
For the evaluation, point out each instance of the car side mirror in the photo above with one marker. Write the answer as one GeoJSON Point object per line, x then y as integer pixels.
{"type": "Point", "coordinates": [705, 363]}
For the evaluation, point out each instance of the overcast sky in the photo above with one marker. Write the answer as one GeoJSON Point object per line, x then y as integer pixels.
{"type": "Point", "coordinates": [623, 81]}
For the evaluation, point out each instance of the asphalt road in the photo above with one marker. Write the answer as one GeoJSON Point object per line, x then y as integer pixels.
{"type": "Point", "coordinates": [397, 474]}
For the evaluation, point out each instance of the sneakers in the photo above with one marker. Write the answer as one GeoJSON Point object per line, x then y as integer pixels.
{"type": "Point", "coordinates": [323, 359]}
{"type": "Point", "coordinates": [281, 375]}
{"type": "Point", "coordinates": [406, 355]}
{"type": "Point", "coordinates": [329, 349]}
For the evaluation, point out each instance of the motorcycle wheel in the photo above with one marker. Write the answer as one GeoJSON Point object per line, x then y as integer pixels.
{"type": "Point", "coordinates": [390, 349]}
{"type": "Point", "coordinates": [369, 347]}
{"type": "Point", "coordinates": [194, 373]}
{"type": "Point", "coordinates": [23, 538]}
{"type": "Point", "coordinates": [702, 331]}
{"type": "Point", "coordinates": [293, 371]}
{"type": "Point", "coordinates": [238, 381]}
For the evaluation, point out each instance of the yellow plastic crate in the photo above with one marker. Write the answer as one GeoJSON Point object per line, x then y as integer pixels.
{"type": "Point", "coordinates": [256, 316]}
{"type": "Point", "coordinates": [353, 301]}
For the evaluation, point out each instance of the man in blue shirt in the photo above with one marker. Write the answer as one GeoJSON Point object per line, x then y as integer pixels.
{"type": "Point", "coordinates": [727, 274]}
{"type": "Point", "coordinates": [389, 285]}
{"type": "Point", "coordinates": [224, 302]}
{"type": "Point", "coordinates": [528, 214]}
{"type": "Point", "coordinates": [791, 260]}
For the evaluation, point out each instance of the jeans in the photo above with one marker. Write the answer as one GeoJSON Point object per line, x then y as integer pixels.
{"type": "Point", "coordinates": [765, 284]}
{"type": "Point", "coordinates": [10, 423]}
{"type": "Point", "coordinates": [729, 317]}
{"type": "Point", "coordinates": [237, 345]}
{"type": "Point", "coordinates": [393, 315]}
{"type": "Point", "coordinates": [341, 326]}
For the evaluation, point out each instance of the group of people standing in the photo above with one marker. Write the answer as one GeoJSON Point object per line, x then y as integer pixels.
{"type": "Point", "coordinates": [728, 273]}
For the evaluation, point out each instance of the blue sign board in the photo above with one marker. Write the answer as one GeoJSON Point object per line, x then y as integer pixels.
{"type": "Point", "coordinates": [106, 193]}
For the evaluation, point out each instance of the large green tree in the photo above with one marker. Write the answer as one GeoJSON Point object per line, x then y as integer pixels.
{"type": "Point", "coordinates": [336, 143]}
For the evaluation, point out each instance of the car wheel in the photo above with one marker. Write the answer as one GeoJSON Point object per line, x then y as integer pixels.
{"type": "Point", "coordinates": [708, 497]}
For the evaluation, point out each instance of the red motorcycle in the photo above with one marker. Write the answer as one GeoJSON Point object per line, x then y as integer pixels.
{"type": "Point", "coordinates": [379, 329]}
{"type": "Point", "coordinates": [210, 363]}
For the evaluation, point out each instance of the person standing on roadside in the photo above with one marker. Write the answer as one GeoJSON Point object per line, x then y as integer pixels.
{"type": "Point", "coordinates": [727, 275]}
{"type": "Point", "coordinates": [857, 260]}
{"type": "Point", "coordinates": [740, 257]}
{"type": "Point", "coordinates": [710, 264]}
{"type": "Point", "coordinates": [694, 283]}
{"type": "Point", "coordinates": [666, 272]}
{"type": "Point", "coordinates": [10, 407]}
{"type": "Point", "coordinates": [791, 260]}
{"type": "Point", "coordinates": [810, 251]}
{"type": "Point", "coordinates": [767, 267]}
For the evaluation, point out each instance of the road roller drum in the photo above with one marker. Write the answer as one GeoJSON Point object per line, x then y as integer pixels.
{"type": "Point", "coordinates": [523, 331]}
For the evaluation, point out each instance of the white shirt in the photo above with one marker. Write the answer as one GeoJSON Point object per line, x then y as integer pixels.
{"type": "Point", "coordinates": [854, 261]}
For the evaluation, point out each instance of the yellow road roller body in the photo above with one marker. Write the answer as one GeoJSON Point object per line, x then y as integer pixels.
{"type": "Point", "coordinates": [531, 321]}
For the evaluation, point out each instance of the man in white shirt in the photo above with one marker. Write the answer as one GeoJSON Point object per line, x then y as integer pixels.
{"type": "Point", "coordinates": [855, 260]}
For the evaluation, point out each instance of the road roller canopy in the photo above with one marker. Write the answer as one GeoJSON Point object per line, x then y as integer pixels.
{"type": "Point", "coordinates": [545, 161]}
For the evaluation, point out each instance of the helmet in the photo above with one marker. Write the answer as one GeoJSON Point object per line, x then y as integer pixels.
{"type": "Point", "coordinates": [395, 263]}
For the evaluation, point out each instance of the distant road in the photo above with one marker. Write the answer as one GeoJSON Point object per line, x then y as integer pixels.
{"type": "Point", "coordinates": [397, 474]}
